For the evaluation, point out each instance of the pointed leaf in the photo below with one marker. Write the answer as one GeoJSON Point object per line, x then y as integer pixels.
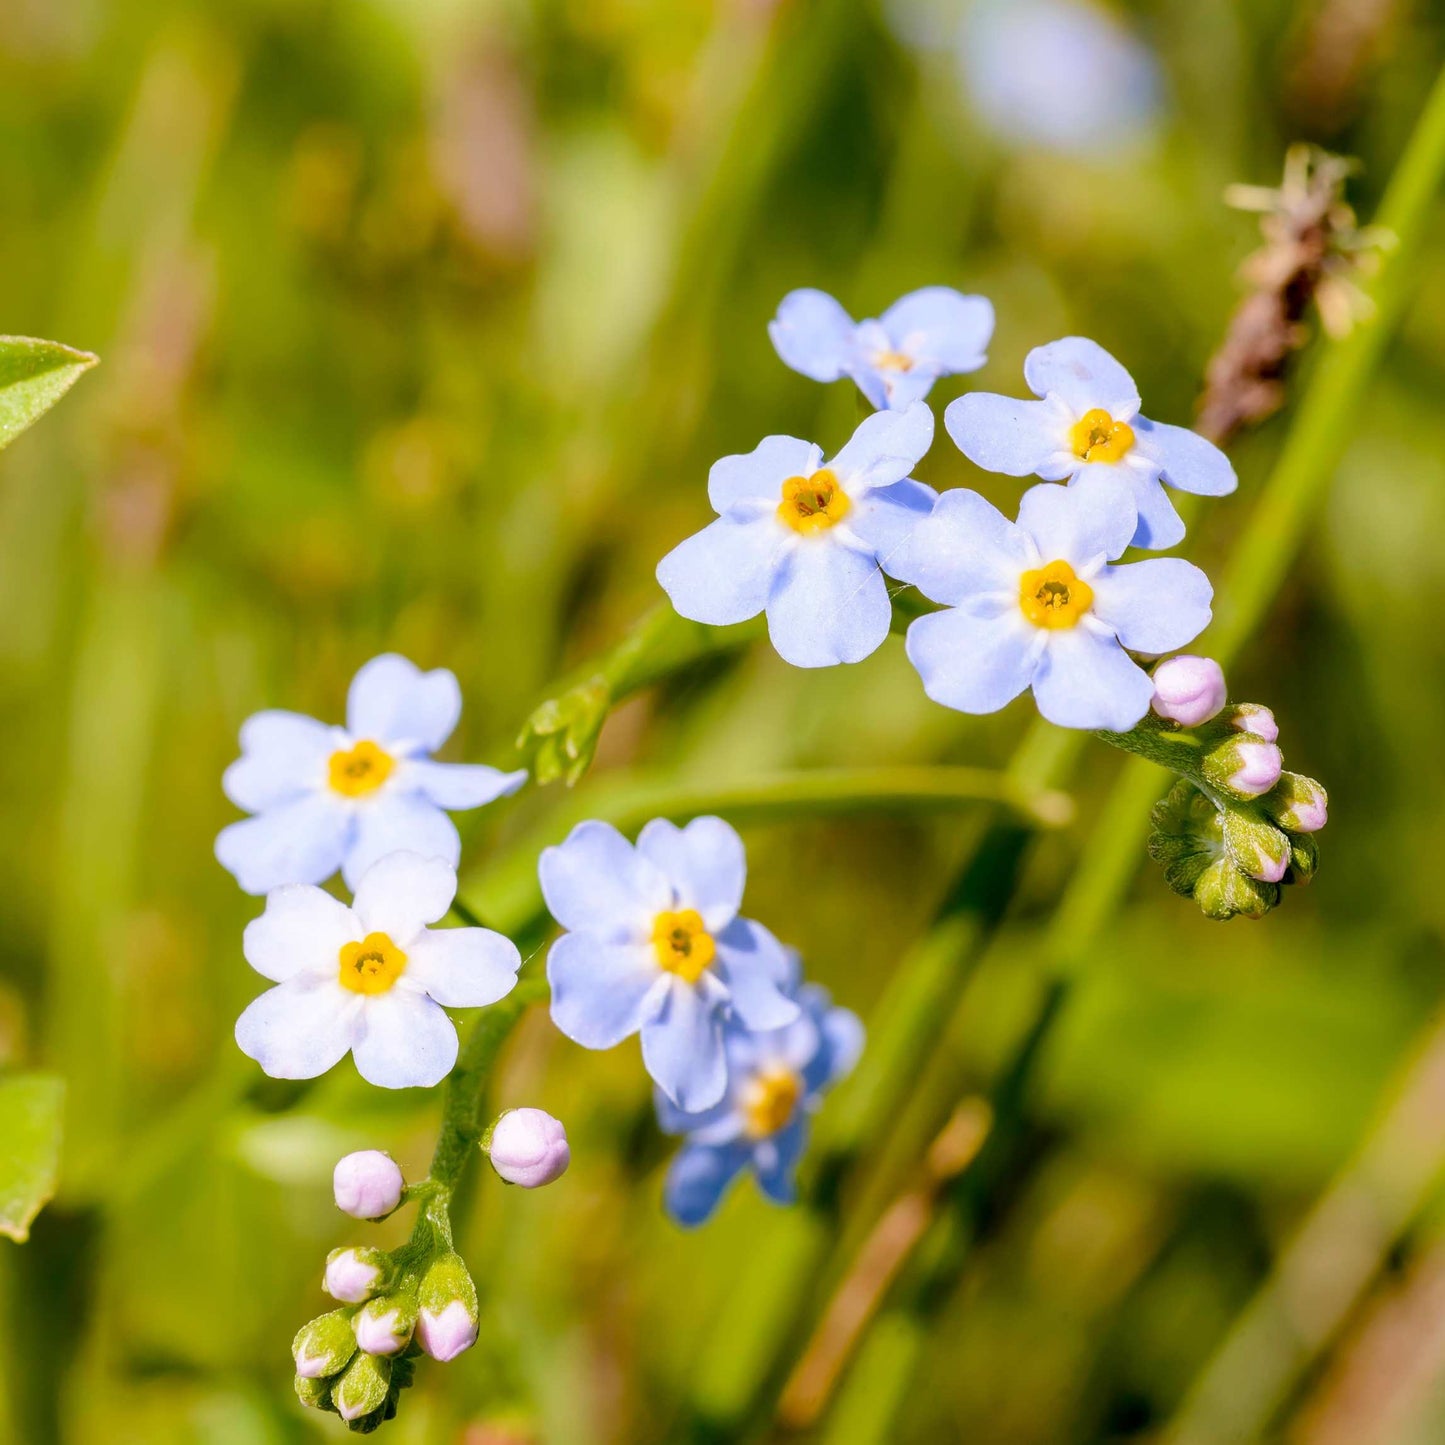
{"type": "Point", "coordinates": [34, 375]}
{"type": "Point", "coordinates": [30, 1121]}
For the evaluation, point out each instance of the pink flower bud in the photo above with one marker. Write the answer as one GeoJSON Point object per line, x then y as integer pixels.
{"type": "Point", "coordinates": [354, 1275]}
{"type": "Point", "coordinates": [529, 1147]}
{"type": "Point", "coordinates": [1253, 717]}
{"type": "Point", "coordinates": [1258, 770]}
{"type": "Point", "coordinates": [447, 1333]}
{"type": "Point", "coordinates": [367, 1184]}
{"type": "Point", "coordinates": [384, 1326]}
{"type": "Point", "coordinates": [1188, 690]}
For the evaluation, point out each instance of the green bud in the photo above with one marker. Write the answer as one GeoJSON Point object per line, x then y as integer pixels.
{"type": "Point", "coordinates": [1242, 765]}
{"type": "Point", "coordinates": [447, 1323]}
{"type": "Point", "coordinates": [1185, 836]}
{"type": "Point", "coordinates": [560, 737]}
{"type": "Point", "coordinates": [1222, 891]}
{"type": "Point", "coordinates": [363, 1388]}
{"type": "Point", "coordinates": [1304, 858]}
{"type": "Point", "coordinates": [315, 1394]}
{"type": "Point", "coordinates": [1255, 846]}
{"type": "Point", "coordinates": [323, 1347]}
{"type": "Point", "coordinates": [1297, 803]}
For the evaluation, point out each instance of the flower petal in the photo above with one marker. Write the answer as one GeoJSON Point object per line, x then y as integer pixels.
{"type": "Point", "coordinates": [698, 1178]}
{"type": "Point", "coordinates": [1186, 459]}
{"type": "Point", "coordinates": [722, 574]}
{"type": "Point", "coordinates": [600, 990]}
{"type": "Point", "coordinates": [704, 862]}
{"type": "Point", "coordinates": [301, 932]}
{"type": "Point", "coordinates": [283, 754]}
{"type": "Point", "coordinates": [1005, 434]}
{"type": "Point", "coordinates": [393, 700]}
{"type": "Point", "coordinates": [1080, 524]}
{"type": "Point", "coordinates": [300, 1028]}
{"type": "Point", "coordinates": [939, 324]}
{"type": "Point", "coordinates": [883, 449]}
{"type": "Point", "coordinates": [402, 892]}
{"type": "Point", "coordinates": [299, 842]}
{"type": "Point", "coordinates": [829, 604]}
{"type": "Point", "coordinates": [887, 518]}
{"type": "Point", "coordinates": [463, 967]}
{"type": "Point", "coordinates": [1156, 605]}
{"type": "Point", "coordinates": [776, 1159]}
{"type": "Point", "coordinates": [757, 476]}
{"type": "Point", "coordinates": [1158, 525]}
{"type": "Point", "coordinates": [965, 549]}
{"type": "Point", "coordinates": [595, 880]}
{"type": "Point", "coordinates": [971, 663]}
{"type": "Point", "coordinates": [682, 1048]}
{"type": "Point", "coordinates": [1083, 376]}
{"type": "Point", "coordinates": [405, 1041]}
{"type": "Point", "coordinates": [812, 333]}
{"type": "Point", "coordinates": [396, 823]}
{"type": "Point", "coordinates": [754, 966]}
{"type": "Point", "coordinates": [842, 1043]}
{"type": "Point", "coordinates": [455, 786]}
{"type": "Point", "coordinates": [1088, 681]}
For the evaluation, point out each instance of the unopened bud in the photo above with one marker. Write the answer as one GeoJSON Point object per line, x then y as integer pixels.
{"type": "Point", "coordinates": [1304, 858]}
{"type": "Point", "coordinates": [362, 1388]}
{"type": "Point", "coordinates": [447, 1323]}
{"type": "Point", "coordinates": [1256, 847]}
{"type": "Point", "coordinates": [1298, 803]}
{"type": "Point", "coordinates": [314, 1394]}
{"type": "Point", "coordinates": [384, 1325]}
{"type": "Point", "coordinates": [368, 1184]}
{"type": "Point", "coordinates": [356, 1273]}
{"type": "Point", "coordinates": [1253, 717]}
{"type": "Point", "coordinates": [528, 1147]}
{"type": "Point", "coordinates": [323, 1347]}
{"type": "Point", "coordinates": [1222, 891]}
{"type": "Point", "coordinates": [1188, 690]}
{"type": "Point", "coordinates": [1244, 766]}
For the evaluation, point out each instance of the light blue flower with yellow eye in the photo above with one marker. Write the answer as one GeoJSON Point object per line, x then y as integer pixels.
{"type": "Point", "coordinates": [330, 797]}
{"type": "Point", "coordinates": [894, 360]}
{"type": "Point", "coordinates": [1087, 427]}
{"type": "Point", "coordinates": [776, 1080]}
{"type": "Point", "coordinates": [1034, 603]}
{"type": "Point", "coordinates": [654, 945]}
{"type": "Point", "coordinates": [807, 541]}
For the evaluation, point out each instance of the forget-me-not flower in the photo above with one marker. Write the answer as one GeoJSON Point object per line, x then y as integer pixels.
{"type": "Point", "coordinates": [1087, 427]}
{"type": "Point", "coordinates": [655, 945]}
{"type": "Point", "coordinates": [896, 359]}
{"type": "Point", "coordinates": [1035, 604]}
{"type": "Point", "coordinates": [775, 1081]}
{"type": "Point", "coordinates": [370, 979]}
{"type": "Point", "coordinates": [330, 797]}
{"type": "Point", "coordinates": [804, 540]}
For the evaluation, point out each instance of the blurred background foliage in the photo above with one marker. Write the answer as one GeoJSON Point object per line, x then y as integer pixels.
{"type": "Point", "coordinates": [422, 321]}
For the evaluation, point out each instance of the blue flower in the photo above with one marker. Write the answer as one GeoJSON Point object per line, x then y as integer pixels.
{"type": "Point", "coordinates": [804, 540]}
{"type": "Point", "coordinates": [655, 945]}
{"type": "Point", "coordinates": [896, 359]}
{"type": "Point", "coordinates": [329, 797]}
{"type": "Point", "coordinates": [1088, 427]}
{"type": "Point", "coordinates": [1033, 604]}
{"type": "Point", "coordinates": [775, 1080]}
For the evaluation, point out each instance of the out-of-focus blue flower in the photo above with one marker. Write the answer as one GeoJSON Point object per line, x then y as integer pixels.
{"type": "Point", "coordinates": [1033, 604]}
{"type": "Point", "coordinates": [896, 359]}
{"type": "Point", "coordinates": [655, 945]}
{"type": "Point", "coordinates": [804, 539]}
{"type": "Point", "coordinates": [329, 797]}
{"type": "Point", "coordinates": [1060, 74]}
{"type": "Point", "coordinates": [1087, 426]}
{"type": "Point", "coordinates": [776, 1080]}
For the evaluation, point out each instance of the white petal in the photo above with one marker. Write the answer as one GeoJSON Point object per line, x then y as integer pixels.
{"type": "Point", "coordinates": [405, 1041]}
{"type": "Point", "coordinates": [1004, 434]}
{"type": "Point", "coordinates": [393, 700]}
{"type": "Point", "coordinates": [704, 862]}
{"type": "Point", "coordinates": [299, 842]}
{"type": "Point", "coordinates": [463, 967]}
{"type": "Point", "coordinates": [828, 605]}
{"type": "Point", "coordinates": [596, 881]}
{"type": "Point", "coordinates": [455, 786]}
{"type": "Point", "coordinates": [758, 476]}
{"type": "Point", "coordinates": [971, 663]}
{"type": "Point", "coordinates": [301, 932]}
{"type": "Point", "coordinates": [399, 822]}
{"type": "Point", "coordinates": [300, 1028]}
{"type": "Point", "coordinates": [1154, 606]}
{"type": "Point", "coordinates": [1079, 524]}
{"type": "Point", "coordinates": [1088, 681]}
{"type": "Point", "coordinates": [1083, 376]}
{"type": "Point", "coordinates": [283, 755]}
{"type": "Point", "coordinates": [402, 892]}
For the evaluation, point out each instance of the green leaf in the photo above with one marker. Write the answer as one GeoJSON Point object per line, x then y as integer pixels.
{"type": "Point", "coordinates": [34, 375]}
{"type": "Point", "coordinates": [30, 1120]}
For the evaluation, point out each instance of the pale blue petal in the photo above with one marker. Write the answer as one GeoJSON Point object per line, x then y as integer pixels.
{"type": "Point", "coordinates": [1078, 524]}
{"type": "Point", "coordinates": [941, 325]}
{"type": "Point", "coordinates": [300, 1028]}
{"type": "Point", "coordinates": [595, 880]}
{"type": "Point", "coordinates": [723, 574]}
{"type": "Point", "coordinates": [1154, 606]}
{"type": "Point", "coordinates": [829, 604]}
{"type": "Point", "coordinates": [704, 862]}
{"type": "Point", "coordinates": [753, 964]}
{"type": "Point", "coordinates": [887, 519]}
{"type": "Point", "coordinates": [842, 1043]}
{"type": "Point", "coordinates": [755, 479]}
{"type": "Point", "coordinates": [463, 967]}
{"type": "Point", "coordinates": [812, 334]}
{"type": "Point", "coordinates": [901, 389]}
{"type": "Point", "coordinates": [302, 931]}
{"type": "Point", "coordinates": [1083, 376]}
{"type": "Point", "coordinates": [711, 1126]}
{"type": "Point", "coordinates": [402, 892]}
{"type": "Point", "coordinates": [600, 990]}
{"type": "Point", "coordinates": [299, 842]}
{"type": "Point", "coordinates": [399, 822]}
{"type": "Point", "coordinates": [283, 755]}
{"type": "Point", "coordinates": [876, 385]}
{"type": "Point", "coordinates": [965, 549]}
{"type": "Point", "coordinates": [393, 700]}
{"type": "Point", "coordinates": [1088, 681]}
{"type": "Point", "coordinates": [1159, 525]}
{"type": "Point", "coordinates": [682, 1048]}
{"type": "Point", "coordinates": [405, 1041]}
{"type": "Point", "coordinates": [459, 785]}
{"type": "Point", "coordinates": [1186, 459]}
{"type": "Point", "coordinates": [1004, 434]}
{"type": "Point", "coordinates": [776, 1159]}
{"type": "Point", "coordinates": [970, 663]}
{"type": "Point", "coordinates": [698, 1178]}
{"type": "Point", "coordinates": [884, 449]}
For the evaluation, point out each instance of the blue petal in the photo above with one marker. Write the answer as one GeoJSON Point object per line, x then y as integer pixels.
{"type": "Point", "coordinates": [600, 990]}
{"type": "Point", "coordinates": [698, 1178]}
{"type": "Point", "coordinates": [1159, 525]}
{"type": "Point", "coordinates": [875, 384]}
{"type": "Point", "coordinates": [1083, 376]}
{"type": "Point", "coordinates": [704, 862]}
{"type": "Point", "coordinates": [1079, 524]}
{"type": "Point", "coordinates": [722, 1119]}
{"type": "Point", "coordinates": [300, 842]}
{"type": "Point", "coordinates": [754, 967]}
{"type": "Point", "coordinates": [1087, 681]}
{"type": "Point", "coordinates": [283, 754]}
{"type": "Point", "coordinates": [454, 786]}
{"type": "Point", "coordinates": [966, 549]}
{"type": "Point", "coordinates": [1186, 459]}
{"type": "Point", "coordinates": [395, 822]}
{"type": "Point", "coordinates": [595, 880]}
{"type": "Point", "coordinates": [812, 334]}
{"type": "Point", "coordinates": [775, 1160]}
{"type": "Point", "coordinates": [393, 700]}
{"type": "Point", "coordinates": [682, 1048]}
{"type": "Point", "coordinates": [829, 604]}
{"type": "Point", "coordinates": [887, 518]}
{"type": "Point", "coordinates": [754, 479]}
{"type": "Point", "coordinates": [1154, 606]}
{"type": "Point", "coordinates": [406, 1041]}
{"type": "Point", "coordinates": [842, 1035]}
{"type": "Point", "coordinates": [300, 1028]}
{"type": "Point", "coordinates": [970, 663]}
{"type": "Point", "coordinates": [1004, 434]}
{"type": "Point", "coordinates": [883, 449]}
{"type": "Point", "coordinates": [723, 574]}
{"type": "Point", "coordinates": [940, 325]}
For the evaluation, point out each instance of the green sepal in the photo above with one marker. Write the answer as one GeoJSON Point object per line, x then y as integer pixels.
{"type": "Point", "coordinates": [315, 1394]}
{"type": "Point", "coordinates": [1222, 891]}
{"type": "Point", "coordinates": [1256, 846]}
{"type": "Point", "coordinates": [329, 1340]}
{"type": "Point", "coordinates": [363, 1388]}
{"type": "Point", "coordinates": [560, 738]}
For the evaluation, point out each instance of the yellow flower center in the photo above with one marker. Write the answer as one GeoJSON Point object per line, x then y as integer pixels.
{"type": "Point", "coordinates": [1053, 597]}
{"type": "Point", "coordinates": [892, 361]}
{"type": "Point", "coordinates": [683, 946]}
{"type": "Point", "coordinates": [360, 769]}
{"type": "Point", "coordinates": [813, 504]}
{"type": "Point", "coordinates": [371, 966]}
{"type": "Point", "coordinates": [768, 1100]}
{"type": "Point", "coordinates": [1097, 437]}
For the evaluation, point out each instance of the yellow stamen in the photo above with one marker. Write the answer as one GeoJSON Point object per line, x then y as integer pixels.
{"type": "Point", "coordinates": [892, 361]}
{"type": "Point", "coordinates": [1097, 437]}
{"type": "Point", "coordinates": [768, 1100]}
{"type": "Point", "coordinates": [360, 769]}
{"type": "Point", "coordinates": [371, 966]}
{"type": "Point", "coordinates": [1053, 596]}
{"type": "Point", "coordinates": [683, 946]}
{"type": "Point", "coordinates": [813, 504]}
